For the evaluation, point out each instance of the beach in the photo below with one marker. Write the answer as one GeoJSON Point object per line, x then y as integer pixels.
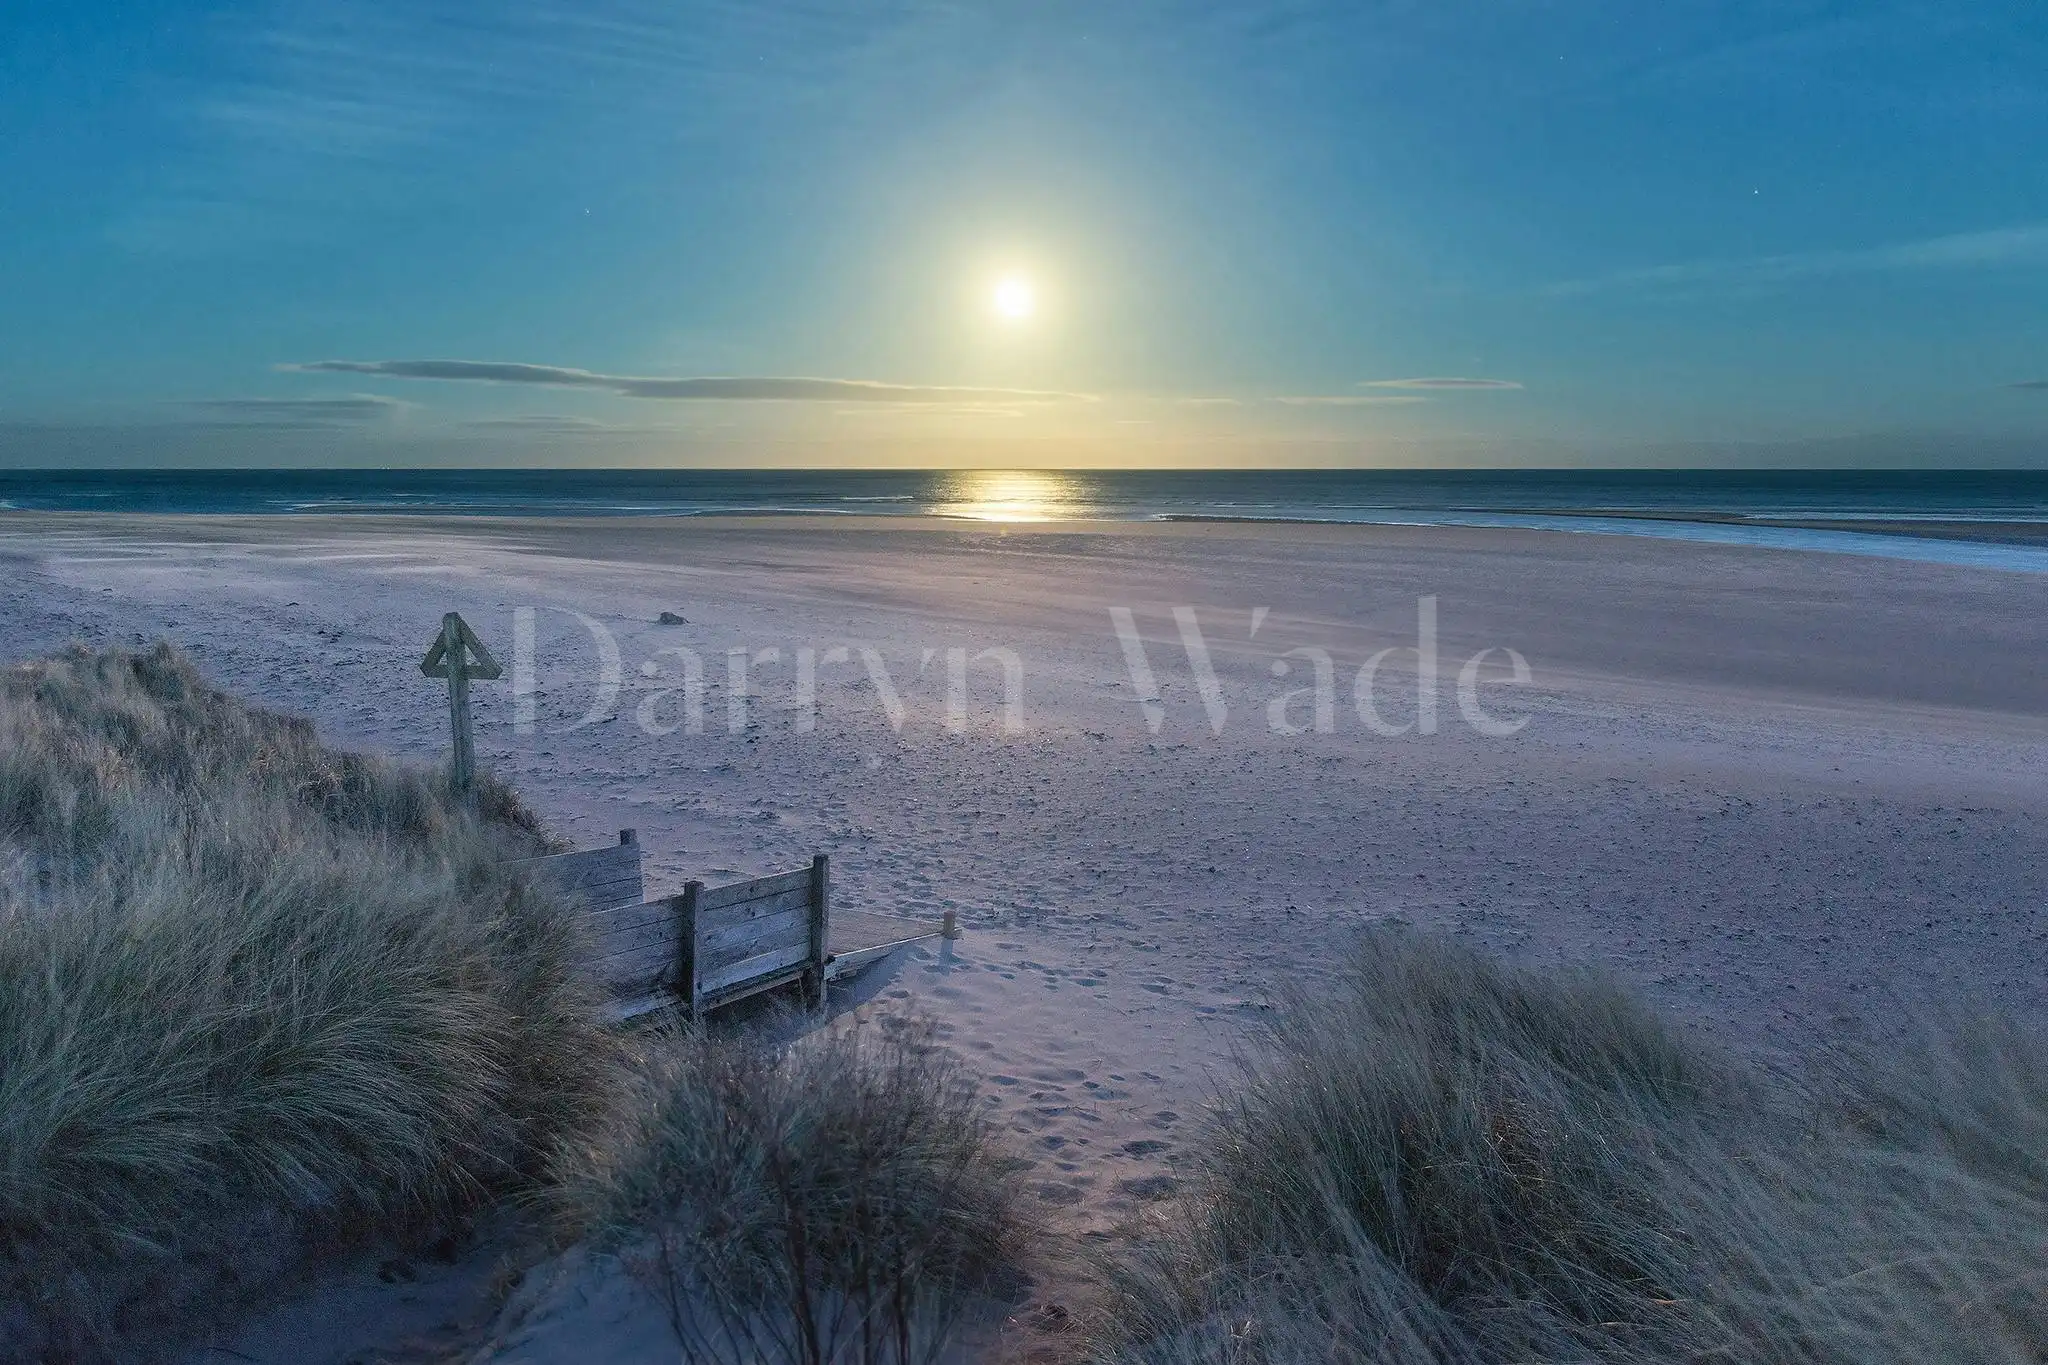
{"type": "Point", "coordinates": [1779, 790]}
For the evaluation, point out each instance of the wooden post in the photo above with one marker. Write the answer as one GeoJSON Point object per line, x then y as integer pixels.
{"type": "Point", "coordinates": [463, 767]}
{"type": "Point", "coordinates": [949, 925]}
{"type": "Point", "coordinates": [689, 971]}
{"type": "Point", "coordinates": [821, 929]}
{"type": "Point", "coordinates": [458, 656]}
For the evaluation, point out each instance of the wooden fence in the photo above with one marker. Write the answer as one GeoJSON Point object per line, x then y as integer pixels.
{"type": "Point", "coordinates": [711, 946]}
{"type": "Point", "coordinates": [601, 876]}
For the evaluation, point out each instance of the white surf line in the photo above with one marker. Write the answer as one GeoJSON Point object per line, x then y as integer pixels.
{"type": "Point", "coordinates": [203, 553]}
{"type": "Point", "coordinates": [100, 552]}
{"type": "Point", "coordinates": [57, 544]}
{"type": "Point", "coordinates": [288, 558]}
{"type": "Point", "coordinates": [101, 559]}
{"type": "Point", "coordinates": [1957, 553]}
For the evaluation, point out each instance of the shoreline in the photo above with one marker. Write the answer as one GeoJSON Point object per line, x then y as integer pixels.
{"type": "Point", "coordinates": [1990, 530]}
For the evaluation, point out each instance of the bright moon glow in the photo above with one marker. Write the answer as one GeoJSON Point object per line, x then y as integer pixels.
{"type": "Point", "coordinates": [1014, 298]}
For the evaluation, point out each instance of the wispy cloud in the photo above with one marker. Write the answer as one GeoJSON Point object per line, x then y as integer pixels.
{"type": "Point", "coordinates": [2030, 384]}
{"type": "Point", "coordinates": [1346, 400]}
{"type": "Point", "coordinates": [933, 409]}
{"type": "Point", "coordinates": [730, 388]}
{"type": "Point", "coordinates": [546, 424]}
{"type": "Point", "coordinates": [359, 407]}
{"type": "Point", "coordinates": [2008, 247]}
{"type": "Point", "coordinates": [356, 410]}
{"type": "Point", "coordinates": [1448, 382]}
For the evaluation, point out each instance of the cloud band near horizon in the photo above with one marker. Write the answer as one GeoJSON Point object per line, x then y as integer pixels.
{"type": "Point", "coordinates": [357, 407]}
{"type": "Point", "coordinates": [728, 388]}
{"type": "Point", "coordinates": [1345, 400]}
{"type": "Point", "coordinates": [1445, 382]}
{"type": "Point", "coordinates": [2021, 245]}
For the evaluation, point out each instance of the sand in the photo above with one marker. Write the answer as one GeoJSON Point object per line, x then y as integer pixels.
{"type": "Point", "coordinates": [1782, 791]}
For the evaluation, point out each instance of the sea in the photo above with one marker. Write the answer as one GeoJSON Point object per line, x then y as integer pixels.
{"type": "Point", "coordinates": [1740, 507]}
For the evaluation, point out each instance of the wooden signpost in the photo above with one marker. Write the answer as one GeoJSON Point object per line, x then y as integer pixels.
{"type": "Point", "coordinates": [458, 656]}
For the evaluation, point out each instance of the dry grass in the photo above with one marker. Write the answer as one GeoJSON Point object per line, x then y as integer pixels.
{"type": "Point", "coordinates": [837, 1201]}
{"type": "Point", "coordinates": [1444, 1160]}
{"type": "Point", "coordinates": [259, 999]}
{"type": "Point", "coordinates": [256, 996]}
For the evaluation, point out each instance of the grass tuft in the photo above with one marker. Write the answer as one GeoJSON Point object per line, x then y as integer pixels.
{"type": "Point", "coordinates": [1440, 1159]}
{"type": "Point", "coordinates": [838, 1201]}
{"type": "Point", "coordinates": [260, 999]}
{"type": "Point", "coordinates": [256, 996]}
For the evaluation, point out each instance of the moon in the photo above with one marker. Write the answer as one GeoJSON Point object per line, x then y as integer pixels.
{"type": "Point", "coordinates": [1014, 298]}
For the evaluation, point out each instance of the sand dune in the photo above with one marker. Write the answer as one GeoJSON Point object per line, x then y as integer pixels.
{"type": "Point", "coordinates": [1775, 788]}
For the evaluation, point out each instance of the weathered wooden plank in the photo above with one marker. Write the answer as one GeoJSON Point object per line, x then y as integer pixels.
{"type": "Point", "coordinates": [620, 938]}
{"type": "Point", "coordinates": [820, 932]}
{"type": "Point", "coordinates": [602, 875]}
{"type": "Point", "coordinates": [606, 895]}
{"type": "Point", "coordinates": [625, 947]}
{"type": "Point", "coordinates": [632, 1007]}
{"type": "Point", "coordinates": [716, 931]}
{"type": "Point", "coordinates": [786, 934]}
{"type": "Point", "coordinates": [754, 986]}
{"type": "Point", "coordinates": [550, 869]}
{"type": "Point", "coordinates": [593, 879]}
{"type": "Point", "coordinates": [634, 981]}
{"type": "Point", "coordinates": [648, 965]}
{"type": "Point", "coordinates": [858, 930]}
{"type": "Point", "coordinates": [733, 974]}
{"type": "Point", "coordinates": [618, 917]}
{"type": "Point", "coordinates": [774, 902]}
{"type": "Point", "coordinates": [603, 886]}
{"type": "Point", "coordinates": [851, 962]}
{"type": "Point", "coordinates": [719, 896]}
{"type": "Point", "coordinates": [581, 861]}
{"type": "Point", "coordinates": [689, 971]}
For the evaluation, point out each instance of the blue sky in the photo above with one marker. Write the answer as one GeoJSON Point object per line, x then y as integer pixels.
{"type": "Point", "coordinates": [392, 233]}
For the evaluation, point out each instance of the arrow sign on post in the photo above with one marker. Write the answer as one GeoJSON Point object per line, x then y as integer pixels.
{"type": "Point", "coordinates": [458, 656]}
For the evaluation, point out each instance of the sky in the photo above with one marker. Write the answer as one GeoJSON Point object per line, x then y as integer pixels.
{"type": "Point", "coordinates": [1025, 233]}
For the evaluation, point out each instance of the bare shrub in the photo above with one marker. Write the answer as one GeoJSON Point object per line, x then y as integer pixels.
{"type": "Point", "coordinates": [839, 1201]}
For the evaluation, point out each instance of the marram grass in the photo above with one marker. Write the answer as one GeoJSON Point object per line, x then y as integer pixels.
{"type": "Point", "coordinates": [260, 1000]}
{"type": "Point", "coordinates": [257, 998]}
{"type": "Point", "coordinates": [1443, 1160]}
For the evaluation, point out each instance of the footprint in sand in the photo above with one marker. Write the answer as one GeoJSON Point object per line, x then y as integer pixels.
{"type": "Point", "coordinates": [1059, 1192]}
{"type": "Point", "coordinates": [1149, 1187]}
